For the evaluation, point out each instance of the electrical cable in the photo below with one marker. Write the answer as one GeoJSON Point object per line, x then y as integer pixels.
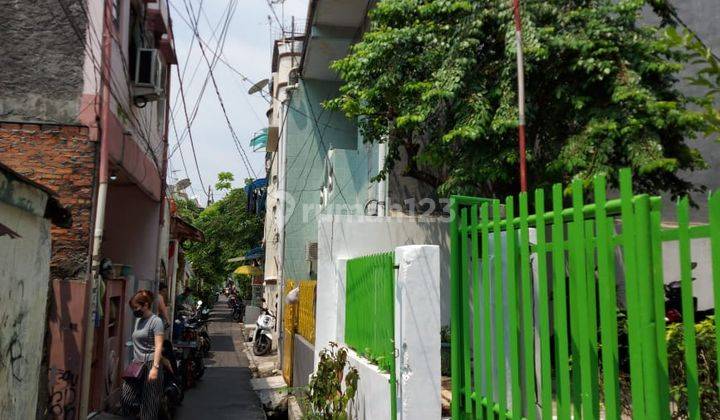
{"type": "Point", "coordinates": [238, 145]}
{"type": "Point", "coordinates": [112, 84]}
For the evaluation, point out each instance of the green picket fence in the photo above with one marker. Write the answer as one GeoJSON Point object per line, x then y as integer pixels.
{"type": "Point", "coordinates": [535, 323]}
{"type": "Point", "coordinates": [370, 307]}
{"type": "Point", "coordinates": [370, 313]}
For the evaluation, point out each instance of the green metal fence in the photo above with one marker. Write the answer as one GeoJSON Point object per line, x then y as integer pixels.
{"type": "Point", "coordinates": [370, 313]}
{"type": "Point", "coordinates": [535, 322]}
{"type": "Point", "coordinates": [370, 308]}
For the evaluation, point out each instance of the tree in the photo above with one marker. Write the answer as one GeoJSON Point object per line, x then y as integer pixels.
{"type": "Point", "coordinates": [435, 79]}
{"type": "Point", "coordinates": [188, 209]}
{"type": "Point", "coordinates": [225, 180]}
{"type": "Point", "coordinates": [230, 230]}
{"type": "Point", "coordinates": [706, 75]}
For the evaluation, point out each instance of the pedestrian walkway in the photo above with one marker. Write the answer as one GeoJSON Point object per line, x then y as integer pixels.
{"type": "Point", "coordinates": [224, 391]}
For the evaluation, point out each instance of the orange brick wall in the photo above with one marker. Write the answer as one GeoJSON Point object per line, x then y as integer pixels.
{"type": "Point", "coordinates": [61, 158]}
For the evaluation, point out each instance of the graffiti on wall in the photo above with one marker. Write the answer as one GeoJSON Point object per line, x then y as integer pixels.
{"type": "Point", "coordinates": [64, 394]}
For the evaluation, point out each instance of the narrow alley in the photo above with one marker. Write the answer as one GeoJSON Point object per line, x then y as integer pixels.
{"type": "Point", "coordinates": [224, 391]}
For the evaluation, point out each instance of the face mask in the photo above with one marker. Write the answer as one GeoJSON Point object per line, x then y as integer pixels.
{"type": "Point", "coordinates": [138, 313]}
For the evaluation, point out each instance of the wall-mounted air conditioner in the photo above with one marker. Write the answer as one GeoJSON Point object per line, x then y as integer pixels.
{"type": "Point", "coordinates": [149, 76]}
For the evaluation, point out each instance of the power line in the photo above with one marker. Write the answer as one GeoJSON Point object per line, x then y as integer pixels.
{"type": "Point", "coordinates": [238, 145]}
{"type": "Point", "coordinates": [219, 47]}
{"type": "Point", "coordinates": [192, 142]}
{"type": "Point", "coordinates": [182, 157]}
{"type": "Point", "coordinates": [112, 84]}
{"type": "Point", "coordinates": [272, 9]}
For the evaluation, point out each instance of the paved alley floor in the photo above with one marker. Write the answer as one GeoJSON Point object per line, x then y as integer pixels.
{"type": "Point", "coordinates": [224, 391]}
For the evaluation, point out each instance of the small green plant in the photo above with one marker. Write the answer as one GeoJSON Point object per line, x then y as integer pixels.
{"type": "Point", "coordinates": [707, 369]}
{"type": "Point", "coordinates": [445, 334]}
{"type": "Point", "coordinates": [326, 397]}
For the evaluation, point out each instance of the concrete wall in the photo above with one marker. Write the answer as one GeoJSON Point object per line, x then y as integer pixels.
{"type": "Point", "coordinates": [303, 361]}
{"type": "Point", "coordinates": [131, 236]}
{"type": "Point", "coordinates": [702, 16]}
{"type": "Point", "coordinates": [417, 322]}
{"type": "Point", "coordinates": [344, 237]}
{"type": "Point", "coordinates": [372, 400]}
{"type": "Point", "coordinates": [42, 61]}
{"type": "Point", "coordinates": [63, 159]}
{"type": "Point", "coordinates": [311, 133]}
{"type": "Point", "coordinates": [24, 279]}
{"type": "Point", "coordinates": [417, 326]}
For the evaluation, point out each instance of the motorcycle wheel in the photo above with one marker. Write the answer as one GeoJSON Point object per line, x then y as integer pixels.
{"type": "Point", "coordinates": [262, 346]}
{"type": "Point", "coordinates": [199, 367]}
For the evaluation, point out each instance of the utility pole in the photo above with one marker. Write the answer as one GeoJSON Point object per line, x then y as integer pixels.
{"type": "Point", "coordinates": [521, 94]}
{"type": "Point", "coordinates": [209, 195]}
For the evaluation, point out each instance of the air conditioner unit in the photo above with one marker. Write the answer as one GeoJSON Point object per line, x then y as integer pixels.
{"type": "Point", "coordinates": [149, 76]}
{"type": "Point", "coordinates": [311, 251]}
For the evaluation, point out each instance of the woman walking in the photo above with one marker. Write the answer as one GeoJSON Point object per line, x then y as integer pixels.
{"type": "Point", "coordinates": [143, 385]}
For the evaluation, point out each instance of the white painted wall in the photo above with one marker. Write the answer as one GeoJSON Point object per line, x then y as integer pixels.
{"type": "Point", "coordinates": [417, 311]}
{"type": "Point", "coordinates": [417, 326]}
{"type": "Point", "coordinates": [24, 277]}
{"type": "Point", "coordinates": [372, 400]}
{"type": "Point", "coordinates": [344, 237]}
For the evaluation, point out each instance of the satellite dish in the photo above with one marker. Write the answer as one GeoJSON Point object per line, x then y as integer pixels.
{"type": "Point", "coordinates": [257, 87]}
{"type": "Point", "coordinates": [182, 184]}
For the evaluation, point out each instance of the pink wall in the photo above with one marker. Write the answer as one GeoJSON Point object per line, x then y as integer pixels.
{"type": "Point", "coordinates": [131, 238]}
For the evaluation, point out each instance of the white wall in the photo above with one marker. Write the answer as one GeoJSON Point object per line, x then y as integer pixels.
{"type": "Point", "coordinates": [372, 400]}
{"type": "Point", "coordinates": [24, 277]}
{"type": "Point", "coordinates": [417, 310]}
{"type": "Point", "coordinates": [417, 326]}
{"type": "Point", "coordinates": [344, 237]}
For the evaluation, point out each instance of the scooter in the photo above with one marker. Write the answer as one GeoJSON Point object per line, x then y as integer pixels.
{"type": "Point", "coordinates": [238, 311]}
{"type": "Point", "coordinates": [262, 337]}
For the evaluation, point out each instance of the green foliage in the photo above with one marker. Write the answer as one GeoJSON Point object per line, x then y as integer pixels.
{"type": "Point", "coordinates": [188, 209]}
{"type": "Point", "coordinates": [707, 369]}
{"type": "Point", "coordinates": [705, 69]}
{"type": "Point", "coordinates": [331, 388]}
{"type": "Point", "coordinates": [436, 80]}
{"type": "Point", "coordinates": [230, 230]}
{"type": "Point", "coordinates": [224, 182]}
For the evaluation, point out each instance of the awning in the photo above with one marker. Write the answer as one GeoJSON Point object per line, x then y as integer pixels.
{"type": "Point", "coordinates": [248, 270]}
{"type": "Point", "coordinates": [181, 230]}
{"type": "Point", "coordinates": [259, 141]}
{"type": "Point", "coordinates": [253, 254]}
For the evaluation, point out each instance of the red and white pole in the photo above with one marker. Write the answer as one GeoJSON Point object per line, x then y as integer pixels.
{"type": "Point", "coordinates": [521, 93]}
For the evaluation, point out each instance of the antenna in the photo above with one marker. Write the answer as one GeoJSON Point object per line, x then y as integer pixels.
{"type": "Point", "coordinates": [259, 86]}
{"type": "Point", "coordinates": [182, 184]}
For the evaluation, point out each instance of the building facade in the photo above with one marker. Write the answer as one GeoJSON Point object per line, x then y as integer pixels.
{"type": "Point", "coordinates": [83, 106]}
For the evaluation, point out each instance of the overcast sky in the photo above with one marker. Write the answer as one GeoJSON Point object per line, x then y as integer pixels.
{"type": "Point", "coordinates": [248, 49]}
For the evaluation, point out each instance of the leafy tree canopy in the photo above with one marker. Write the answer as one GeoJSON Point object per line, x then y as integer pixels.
{"type": "Point", "coordinates": [436, 80]}
{"type": "Point", "coordinates": [224, 181]}
{"type": "Point", "coordinates": [230, 230]}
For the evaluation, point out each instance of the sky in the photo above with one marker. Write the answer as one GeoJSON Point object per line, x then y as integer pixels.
{"type": "Point", "coordinates": [248, 50]}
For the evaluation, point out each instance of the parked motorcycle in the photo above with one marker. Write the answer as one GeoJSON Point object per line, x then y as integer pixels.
{"type": "Point", "coordinates": [238, 310]}
{"type": "Point", "coordinates": [673, 301]}
{"type": "Point", "coordinates": [193, 343]}
{"type": "Point", "coordinates": [173, 392]}
{"type": "Point", "coordinates": [262, 337]}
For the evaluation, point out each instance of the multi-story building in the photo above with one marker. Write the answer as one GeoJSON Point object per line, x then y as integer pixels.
{"type": "Point", "coordinates": [83, 110]}
{"type": "Point", "coordinates": [319, 165]}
